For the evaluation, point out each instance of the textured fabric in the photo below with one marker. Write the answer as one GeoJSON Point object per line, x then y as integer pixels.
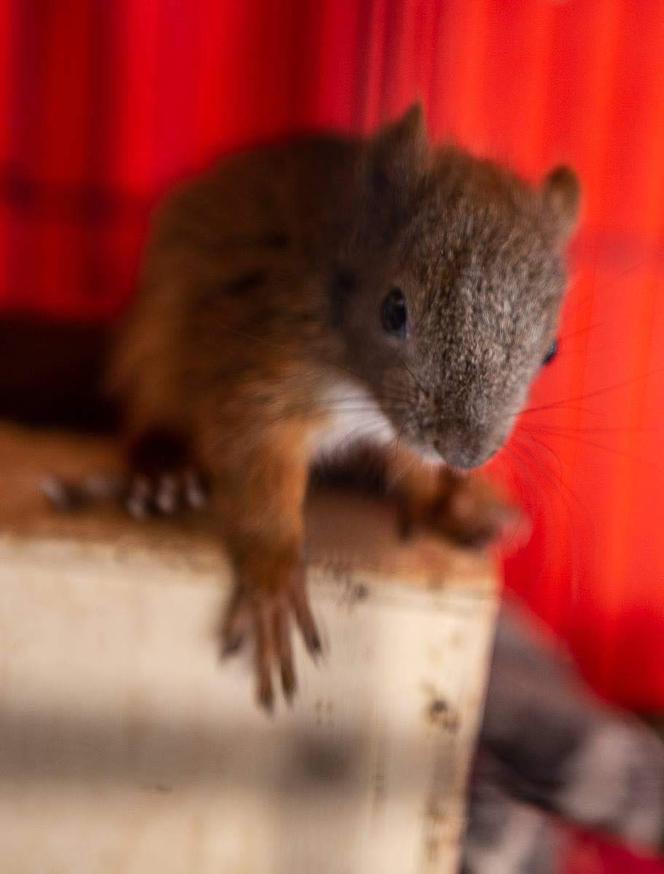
{"type": "Point", "coordinates": [553, 758]}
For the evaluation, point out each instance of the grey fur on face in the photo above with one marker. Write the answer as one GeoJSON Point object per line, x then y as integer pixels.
{"type": "Point", "coordinates": [491, 308]}
{"type": "Point", "coordinates": [478, 256]}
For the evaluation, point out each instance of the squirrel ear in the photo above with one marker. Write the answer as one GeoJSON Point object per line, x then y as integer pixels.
{"type": "Point", "coordinates": [561, 193]}
{"type": "Point", "coordinates": [401, 149]}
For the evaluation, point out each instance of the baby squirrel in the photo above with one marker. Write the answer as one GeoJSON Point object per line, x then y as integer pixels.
{"type": "Point", "coordinates": [302, 301]}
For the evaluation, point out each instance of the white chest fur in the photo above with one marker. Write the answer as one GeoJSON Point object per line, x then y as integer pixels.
{"type": "Point", "coordinates": [352, 416]}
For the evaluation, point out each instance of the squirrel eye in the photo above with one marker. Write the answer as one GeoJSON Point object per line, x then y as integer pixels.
{"type": "Point", "coordinates": [394, 314]}
{"type": "Point", "coordinates": [551, 353]}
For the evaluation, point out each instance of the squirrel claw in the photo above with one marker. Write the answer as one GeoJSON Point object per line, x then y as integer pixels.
{"type": "Point", "coordinates": [166, 494]}
{"type": "Point", "coordinates": [267, 616]}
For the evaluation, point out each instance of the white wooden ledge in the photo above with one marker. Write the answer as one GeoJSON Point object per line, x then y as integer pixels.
{"type": "Point", "coordinates": [125, 746]}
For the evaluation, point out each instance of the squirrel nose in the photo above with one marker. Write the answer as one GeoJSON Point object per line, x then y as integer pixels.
{"type": "Point", "coordinates": [465, 448]}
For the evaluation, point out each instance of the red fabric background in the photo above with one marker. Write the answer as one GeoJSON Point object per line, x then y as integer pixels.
{"type": "Point", "coordinates": [102, 104]}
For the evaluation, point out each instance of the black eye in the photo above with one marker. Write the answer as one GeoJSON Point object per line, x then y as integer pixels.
{"type": "Point", "coordinates": [394, 314]}
{"type": "Point", "coordinates": [551, 353]}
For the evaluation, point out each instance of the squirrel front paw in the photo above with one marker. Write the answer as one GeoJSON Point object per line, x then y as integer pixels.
{"type": "Point", "coordinates": [163, 478]}
{"type": "Point", "coordinates": [266, 615]}
{"type": "Point", "coordinates": [466, 510]}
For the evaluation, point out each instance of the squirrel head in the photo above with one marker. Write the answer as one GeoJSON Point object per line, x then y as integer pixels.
{"type": "Point", "coordinates": [449, 287]}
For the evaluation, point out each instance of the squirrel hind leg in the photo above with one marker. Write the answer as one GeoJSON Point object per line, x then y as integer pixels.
{"type": "Point", "coordinates": [164, 477]}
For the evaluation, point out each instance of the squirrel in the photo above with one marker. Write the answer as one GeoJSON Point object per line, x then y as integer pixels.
{"type": "Point", "coordinates": [317, 299]}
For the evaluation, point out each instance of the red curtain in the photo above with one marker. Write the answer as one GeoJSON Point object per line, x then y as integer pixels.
{"type": "Point", "coordinates": [103, 104]}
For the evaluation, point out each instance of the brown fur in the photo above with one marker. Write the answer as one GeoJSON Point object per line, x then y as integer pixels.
{"type": "Point", "coordinates": [261, 292]}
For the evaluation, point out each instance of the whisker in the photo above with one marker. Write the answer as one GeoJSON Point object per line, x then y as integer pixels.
{"type": "Point", "coordinates": [562, 429]}
{"type": "Point", "coordinates": [557, 407]}
{"type": "Point", "coordinates": [612, 449]}
{"type": "Point", "coordinates": [559, 477]}
{"type": "Point", "coordinates": [600, 391]}
{"type": "Point", "coordinates": [413, 376]}
{"type": "Point", "coordinates": [573, 542]}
